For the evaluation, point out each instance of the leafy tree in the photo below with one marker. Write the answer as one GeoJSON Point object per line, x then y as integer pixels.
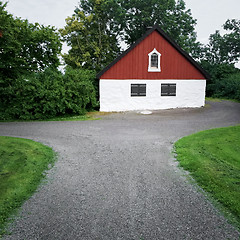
{"type": "Point", "coordinates": [87, 32]}
{"type": "Point", "coordinates": [96, 27]}
{"type": "Point", "coordinates": [218, 58]}
{"type": "Point", "coordinates": [226, 48]}
{"type": "Point", "coordinates": [130, 20]}
{"type": "Point", "coordinates": [25, 47]}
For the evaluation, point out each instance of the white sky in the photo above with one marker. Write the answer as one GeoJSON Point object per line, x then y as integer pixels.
{"type": "Point", "coordinates": [210, 14]}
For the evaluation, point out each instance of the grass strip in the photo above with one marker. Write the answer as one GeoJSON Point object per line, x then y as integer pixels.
{"type": "Point", "coordinates": [22, 166]}
{"type": "Point", "coordinates": [213, 159]}
{"type": "Point", "coordinates": [213, 99]}
{"type": "Point", "coordinates": [86, 117]}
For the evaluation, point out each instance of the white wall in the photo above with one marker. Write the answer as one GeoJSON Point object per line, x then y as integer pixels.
{"type": "Point", "coordinates": [115, 95]}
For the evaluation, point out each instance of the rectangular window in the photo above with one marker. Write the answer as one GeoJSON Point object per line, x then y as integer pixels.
{"type": "Point", "coordinates": [154, 60]}
{"type": "Point", "coordinates": [168, 89]}
{"type": "Point", "coordinates": [138, 90]}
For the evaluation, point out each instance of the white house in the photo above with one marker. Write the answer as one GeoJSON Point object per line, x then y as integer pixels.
{"type": "Point", "coordinates": [154, 73]}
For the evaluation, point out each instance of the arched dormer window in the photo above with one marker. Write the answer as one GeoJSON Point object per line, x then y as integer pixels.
{"type": "Point", "coordinates": [154, 61]}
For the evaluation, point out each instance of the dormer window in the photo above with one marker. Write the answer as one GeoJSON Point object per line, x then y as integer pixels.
{"type": "Point", "coordinates": [154, 61]}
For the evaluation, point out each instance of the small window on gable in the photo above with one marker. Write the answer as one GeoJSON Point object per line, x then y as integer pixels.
{"type": "Point", "coordinates": [138, 90]}
{"type": "Point", "coordinates": [154, 61]}
{"type": "Point", "coordinates": [168, 89]}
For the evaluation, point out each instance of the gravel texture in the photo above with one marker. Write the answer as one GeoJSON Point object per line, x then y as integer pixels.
{"type": "Point", "coordinates": [116, 178]}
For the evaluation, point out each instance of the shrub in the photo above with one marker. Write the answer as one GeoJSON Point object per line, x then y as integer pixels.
{"type": "Point", "coordinates": [47, 94]}
{"type": "Point", "coordinates": [229, 87]}
{"type": "Point", "coordinates": [224, 81]}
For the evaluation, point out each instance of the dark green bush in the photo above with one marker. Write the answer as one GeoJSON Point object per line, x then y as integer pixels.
{"type": "Point", "coordinates": [224, 81]}
{"type": "Point", "coordinates": [228, 87]}
{"type": "Point", "coordinates": [47, 94]}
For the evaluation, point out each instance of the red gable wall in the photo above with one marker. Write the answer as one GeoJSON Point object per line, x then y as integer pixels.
{"type": "Point", "coordinates": [134, 65]}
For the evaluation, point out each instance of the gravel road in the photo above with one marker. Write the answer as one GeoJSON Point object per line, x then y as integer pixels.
{"type": "Point", "coordinates": [116, 178]}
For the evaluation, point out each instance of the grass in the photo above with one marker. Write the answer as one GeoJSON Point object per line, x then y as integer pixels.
{"type": "Point", "coordinates": [212, 99]}
{"type": "Point", "coordinates": [22, 167]}
{"type": "Point", "coordinates": [213, 159]}
{"type": "Point", "coordinates": [62, 118]}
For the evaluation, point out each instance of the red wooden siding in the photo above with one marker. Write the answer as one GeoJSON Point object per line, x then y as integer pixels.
{"type": "Point", "coordinates": [134, 65]}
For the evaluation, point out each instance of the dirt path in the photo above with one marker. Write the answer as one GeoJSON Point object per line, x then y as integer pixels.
{"type": "Point", "coordinates": [116, 178]}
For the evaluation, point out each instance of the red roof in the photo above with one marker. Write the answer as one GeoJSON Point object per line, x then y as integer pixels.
{"type": "Point", "coordinates": [133, 63]}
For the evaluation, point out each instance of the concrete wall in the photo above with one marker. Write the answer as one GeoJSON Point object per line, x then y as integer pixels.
{"type": "Point", "coordinates": [115, 95]}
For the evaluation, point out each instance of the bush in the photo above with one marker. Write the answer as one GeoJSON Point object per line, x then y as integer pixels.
{"type": "Point", "coordinates": [47, 94]}
{"type": "Point", "coordinates": [224, 81]}
{"type": "Point", "coordinates": [229, 87]}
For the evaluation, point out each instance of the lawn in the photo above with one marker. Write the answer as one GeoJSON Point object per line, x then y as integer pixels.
{"type": "Point", "coordinates": [22, 166]}
{"type": "Point", "coordinates": [213, 159]}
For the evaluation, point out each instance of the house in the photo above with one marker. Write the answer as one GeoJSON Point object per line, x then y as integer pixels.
{"type": "Point", "coordinates": [154, 73]}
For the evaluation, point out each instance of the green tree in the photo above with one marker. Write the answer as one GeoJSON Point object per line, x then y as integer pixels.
{"type": "Point", "coordinates": [97, 26]}
{"type": "Point", "coordinates": [218, 58]}
{"type": "Point", "coordinates": [130, 19]}
{"type": "Point", "coordinates": [224, 48]}
{"type": "Point", "coordinates": [87, 32]}
{"type": "Point", "coordinates": [25, 47]}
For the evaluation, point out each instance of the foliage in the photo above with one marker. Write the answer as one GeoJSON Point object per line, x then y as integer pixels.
{"type": "Point", "coordinates": [87, 32]}
{"type": "Point", "coordinates": [96, 27]}
{"type": "Point", "coordinates": [133, 17]}
{"type": "Point", "coordinates": [213, 158]}
{"type": "Point", "coordinates": [48, 94]}
{"type": "Point", "coordinates": [228, 87]}
{"type": "Point", "coordinates": [218, 58]}
{"type": "Point", "coordinates": [25, 47]}
{"type": "Point", "coordinates": [218, 72]}
{"type": "Point", "coordinates": [226, 48]}
{"type": "Point", "coordinates": [22, 166]}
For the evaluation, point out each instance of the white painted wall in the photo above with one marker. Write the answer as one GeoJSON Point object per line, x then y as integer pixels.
{"type": "Point", "coordinates": [115, 95]}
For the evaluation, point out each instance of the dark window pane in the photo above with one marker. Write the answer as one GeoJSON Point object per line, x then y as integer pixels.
{"type": "Point", "coordinates": [154, 60]}
{"type": "Point", "coordinates": [138, 90]}
{"type": "Point", "coordinates": [172, 89]}
{"type": "Point", "coordinates": [168, 89]}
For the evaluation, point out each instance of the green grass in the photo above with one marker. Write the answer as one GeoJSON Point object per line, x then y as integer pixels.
{"type": "Point", "coordinates": [212, 99]}
{"type": "Point", "coordinates": [22, 166]}
{"type": "Point", "coordinates": [72, 118]}
{"type": "Point", "coordinates": [213, 159]}
{"type": "Point", "coordinates": [62, 118]}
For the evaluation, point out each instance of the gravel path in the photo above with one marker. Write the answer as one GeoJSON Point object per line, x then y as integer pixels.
{"type": "Point", "coordinates": [116, 178]}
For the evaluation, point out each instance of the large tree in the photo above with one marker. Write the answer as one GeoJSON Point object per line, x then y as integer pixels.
{"type": "Point", "coordinates": [224, 49]}
{"type": "Point", "coordinates": [134, 16]}
{"type": "Point", "coordinates": [25, 47]}
{"type": "Point", "coordinates": [218, 58]}
{"type": "Point", "coordinates": [97, 26]}
{"type": "Point", "coordinates": [87, 32]}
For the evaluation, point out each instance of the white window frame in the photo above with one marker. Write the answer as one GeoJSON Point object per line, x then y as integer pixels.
{"type": "Point", "coordinates": [151, 69]}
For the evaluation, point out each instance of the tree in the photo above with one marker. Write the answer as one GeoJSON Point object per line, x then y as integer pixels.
{"type": "Point", "coordinates": [226, 48]}
{"type": "Point", "coordinates": [26, 47]}
{"type": "Point", "coordinates": [98, 26]}
{"type": "Point", "coordinates": [130, 20]}
{"type": "Point", "coordinates": [218, 58]}
{"type": "Point", "coordinates": [87, 32]}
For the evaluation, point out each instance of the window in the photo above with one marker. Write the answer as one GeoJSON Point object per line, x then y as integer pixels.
{"type": "Point", "coordinates": [154, 61]}
{"type": "Point", "coordinates": [138, 90]}
{"type": "Point", "coordinates": [168, 89]}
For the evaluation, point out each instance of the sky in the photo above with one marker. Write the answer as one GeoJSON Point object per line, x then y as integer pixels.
{"type": "Point", "coordinates": [210, 14]}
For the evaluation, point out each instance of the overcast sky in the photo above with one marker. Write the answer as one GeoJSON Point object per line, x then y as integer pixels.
{"type": "Point", "coordinates": [210, 14]}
